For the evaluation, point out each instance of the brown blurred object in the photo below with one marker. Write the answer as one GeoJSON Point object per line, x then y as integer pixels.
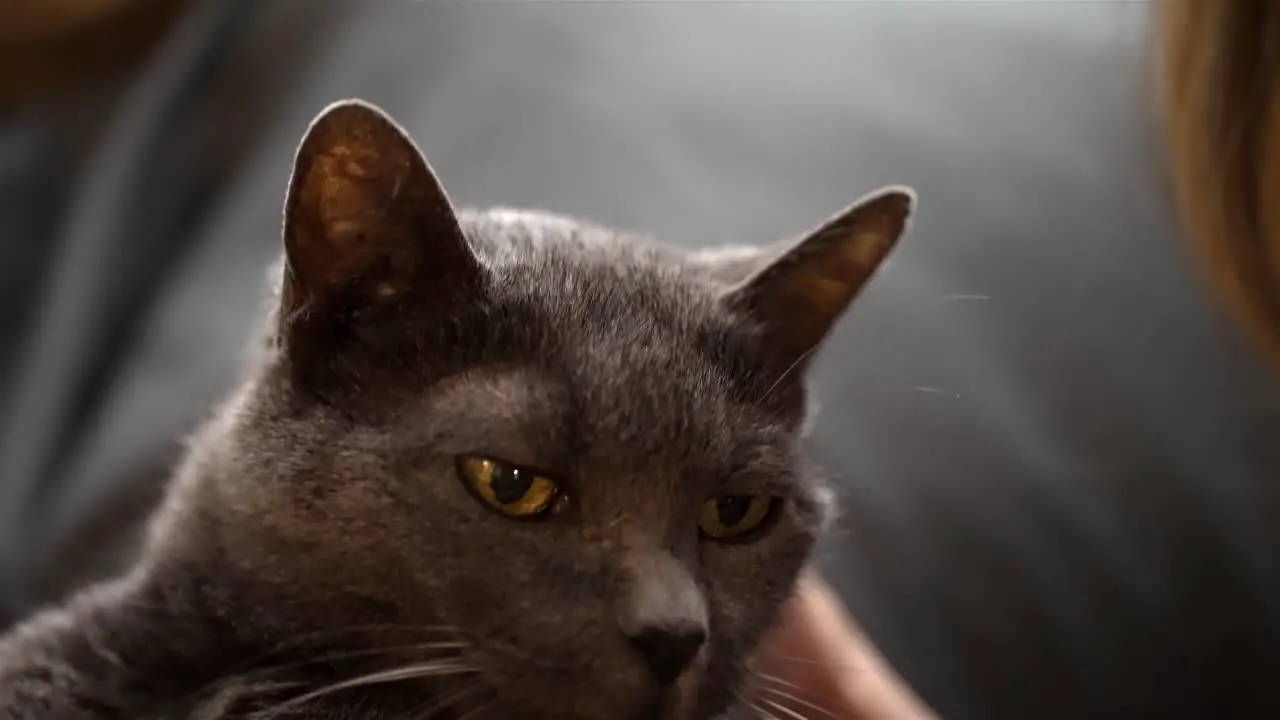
{"type": "Point", "coordinates": [1219, 65]}
{"type": "Point", "coordinates": [49, 45]}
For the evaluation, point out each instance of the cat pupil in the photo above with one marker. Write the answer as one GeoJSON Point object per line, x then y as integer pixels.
{"type": "Point", "coordinates": [732, 509]}
{"type": "Point", "coordinates": [510, 484]}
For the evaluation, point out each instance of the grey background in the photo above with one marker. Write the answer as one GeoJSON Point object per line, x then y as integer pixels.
{"type": "Point", "coordinates": [1055, 457]}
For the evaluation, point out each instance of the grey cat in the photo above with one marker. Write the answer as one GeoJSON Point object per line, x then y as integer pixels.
{"type": "Point", "coordinates": [495, 465]}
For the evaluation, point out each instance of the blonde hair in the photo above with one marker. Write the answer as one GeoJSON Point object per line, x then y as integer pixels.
{"type": "Point", "coordinates": [1219, 67]}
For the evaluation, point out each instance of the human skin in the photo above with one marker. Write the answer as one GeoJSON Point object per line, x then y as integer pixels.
{"type": "Point", "coordinates": [817, 662]}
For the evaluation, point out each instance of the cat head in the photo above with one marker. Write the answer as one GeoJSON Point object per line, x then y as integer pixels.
{"type": "Point", "coordinates": [575, 448]}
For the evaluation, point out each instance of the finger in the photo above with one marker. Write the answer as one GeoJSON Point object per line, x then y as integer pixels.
{"type": "Point", "coordinates": [818, 648]}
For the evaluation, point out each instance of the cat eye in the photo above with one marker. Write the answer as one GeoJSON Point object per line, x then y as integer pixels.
{"type": "Point", "coordinates": [513, 491]}
{"type": "Point", "coordinates": [736, 517]}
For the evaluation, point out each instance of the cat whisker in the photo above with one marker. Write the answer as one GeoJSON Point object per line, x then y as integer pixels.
{"type": "Point", "coordinates": [785, 374]}
{"type": "Point", "coordinates": [447, 701]}
{"type": "Point", "coordinates": [764, 714]}
{"type": "Point", "coordinates": [775, 679]}
{"type": "Point", "coordinates": [302, 640]}
{"type": "Point", "coordinates": [353, 655]}
{"type": "Point", "coordinates": [811, 661]}
{"type": "Point", "coordinates": [793, 697]}
{"type": "Point", "coordinates": [745, 703]}
{"type": "Point", "coordinates": [788, 712]}
{"type": "Point", "coordinates": [381, 677]}
{"type": "Point", "coordinates": [256, 666]}
{"type": "Point", "coordinates": [234, 690]}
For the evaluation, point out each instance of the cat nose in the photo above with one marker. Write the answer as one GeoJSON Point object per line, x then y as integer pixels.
{"type": "Point", "coordinates": [669, 651]}
{"type": "Point", "coordinates": [664, 614]}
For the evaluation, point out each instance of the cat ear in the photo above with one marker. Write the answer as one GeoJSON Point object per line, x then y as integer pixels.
{"type": "Point", "coordinates": [366, 220]}
{"type": "Point", "coordinates": [798, 296]}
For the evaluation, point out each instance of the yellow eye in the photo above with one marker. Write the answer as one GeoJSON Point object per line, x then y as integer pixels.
{"type": "Point", "coordinates": [511, 490]}
{"type": "Point", "coordinates": [732, 517]}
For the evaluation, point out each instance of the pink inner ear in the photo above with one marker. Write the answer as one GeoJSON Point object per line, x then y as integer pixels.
{"type": "Point", "coordinates": [367, 220]}
{"type": "Point", "coordinates": [802, 294]}
{"type": "Point", "coordinates": [835, 275]}
{"type": "Point", "coordinates": [345, 219]}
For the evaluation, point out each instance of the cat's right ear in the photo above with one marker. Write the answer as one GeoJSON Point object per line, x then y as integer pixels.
{"type": "Point", "coordinates": [366, 222]}
{"type": "Point", "coordinates": [797, 297]}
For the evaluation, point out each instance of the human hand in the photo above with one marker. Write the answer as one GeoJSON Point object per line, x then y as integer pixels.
{"type": "Point", "coordinates": [817, 664]}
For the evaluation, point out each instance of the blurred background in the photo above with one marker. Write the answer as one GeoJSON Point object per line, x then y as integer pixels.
{"type": "Point", "coordinates": [1057, 460]}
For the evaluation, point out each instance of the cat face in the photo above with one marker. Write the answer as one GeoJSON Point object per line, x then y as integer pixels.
{"type": "Point", "coordinates": [572, 448]}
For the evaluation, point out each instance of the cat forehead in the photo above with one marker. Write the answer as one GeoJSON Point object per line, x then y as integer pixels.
{"type": "Point", "coordinates": [640, 418]}
{"type": "Point", "coordinates": [638, 322]}
{"type": "Point", "coordinates": [508, 237]}
{"type": "Point", "coordinates": [605, 286]}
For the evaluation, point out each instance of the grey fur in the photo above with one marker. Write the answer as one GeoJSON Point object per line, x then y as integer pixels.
{"type": "Point", "coordinates": [318, 516]}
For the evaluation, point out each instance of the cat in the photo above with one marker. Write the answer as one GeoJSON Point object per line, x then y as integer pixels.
{"type": "Point", "coordinates": [493, 465]}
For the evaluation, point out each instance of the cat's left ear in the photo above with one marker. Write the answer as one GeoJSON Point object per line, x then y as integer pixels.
{"type": "Point", "coordinates": [799, 296]}
{"type": "Point", "coordinates": [366, 221]}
